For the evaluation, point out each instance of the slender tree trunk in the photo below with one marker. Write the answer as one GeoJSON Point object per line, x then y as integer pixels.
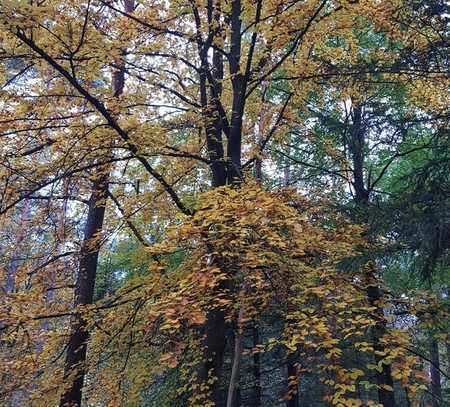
{"type": "Point", "coordinates": [447, 346]}
{"type": "Point", "coordinates": [290, 367]}
{"type": "Point", "coordinates": [356, 145]}
{"type": "Point", "coordinates": [237, 359]}
{"type": "Point", "coordinates": [436, 389]}
{"type": "Point", "coordinates": [214, 347]}
{"type": "Point", "coordinates": [74, 369]}
{"type": "Point", "coordinates": [19, 396]}
{"type": "Point", "coordinates": [287, 172]}
{"type": "Point", "coordinates": [239, 86]}
{"type": "Point", "coordinates": [292, 388]}
{"type": "Point", "coordinates": [374, 293]}
{"type": "Point", "coordinates": [214, 342]}
{"type": "Point", "coordinates": [256, 369]}
{"type": "Point", "coordinates": [258, 161]}
{"type": "Point", "coordinates": [84, 292]}
{"type": "Point", "coordinates": [260, 133]}
{"type": "Point", "coordinates": [256, 363]}
{"type": "Point", "coordinates": [384, 378]}
{"type": "Point", "coordinates": [225, 169]}
{"type": "Point", "coordinates": [17, 253]}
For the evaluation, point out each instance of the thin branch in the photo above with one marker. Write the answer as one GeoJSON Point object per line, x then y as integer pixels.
{"type": "Point", "coordinates": [100, 107]}
{"type": "Point", "coordinates": [49, 261]}
{"type": "Point", "coordinates": [297, 161]}
{"type": "Point", "coordinates": [272, 130]}
{"type": "Point", "coordinates": [127, 220]}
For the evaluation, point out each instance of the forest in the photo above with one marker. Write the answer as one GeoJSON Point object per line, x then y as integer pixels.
{"type": "Point", "coordinates": [224, 203]}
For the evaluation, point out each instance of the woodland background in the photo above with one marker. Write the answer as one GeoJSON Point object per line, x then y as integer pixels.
{"type": "Point", "coordinates": [224, 203]}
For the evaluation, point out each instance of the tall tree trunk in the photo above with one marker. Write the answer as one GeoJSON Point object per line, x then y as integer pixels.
{"type": "Point", "coordinates": [214, 334]}
{"type": "Point", "coordinates": [447, 345]}
{"type": "Point", "coordinates": [256, 362]}
{"type": "Point", "coordinates": [237, 359]}
{"type": "Point", "coordinates": [74, 369]}
{"type": "Point", "coordinates": [384, 378]}
{"type": "Point", "coordinates": [290, 361]}
{"type": "Point", "coordinates": [17, 252]}
{"type": "Point", "coordinates": [225, 170]}
{"type": "Point", "coordinates": [436, 389]}
{"type": "Point", "coordinates": [287, 171]}
{"type": "Point", "coordinates": [374, 293]}
{"type": "Point", "coordinates": [256, 368]}
{"type": "Point", "coordinates": [214, 348]}
{"type": "Point", "coordinates": [19, 396]}
{"type": "Point", "coordinates": [356, 145]}
{"type": "Point", "coordinates": [260, 133]}
{"type": "Point", "coordinates": [448, 358]}
{"type": "Point", "coordinates": [293, 401]}
{"type": "Point", "coordinates": [239, 86]}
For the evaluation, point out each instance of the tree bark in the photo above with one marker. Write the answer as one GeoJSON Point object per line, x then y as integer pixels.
{"type": "Point", "coordinates": [225, 168]}
{"type": "Point", "coordinates": [448, 358]}
{"type": "Point", "coordinates": [214, 348]}
{"type": "Point", "coordinates": [436, 389]}
{"type": "Point", "coordinates": [357, 141]}
{"type": "Point", "coordinates": [374, 293]}
{"type": "Point", "coordinates": [384, 378]}
{"type": "Point", "coordinates": [447, 345]}
{"type": "Point", "coordinates": [293, 389]}
{"type": "Point", "coordinates": [11, 269]}
{"type": "Point", "coordinates": [238, 82]}
{"type": "Point", "coordinates": [237, 359]}
{"type": "Point", "coordinates": [256, 369]}
{"type": "Point", "coordinates": [74, 370]}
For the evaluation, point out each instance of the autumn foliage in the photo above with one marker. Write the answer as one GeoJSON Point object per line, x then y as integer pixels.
{"type": "Point", "coordinates": [224, 203]}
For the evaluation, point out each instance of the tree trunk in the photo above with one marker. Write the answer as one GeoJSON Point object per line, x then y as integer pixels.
{"type": "Point", "coordinates": [237, 359]}
{"type": "Point", "coordinates": [260, 133]}
{"type": "Point", "coordinates": [17, 253]}
{"type": "Point", "coordinates": [384, 378]}
{"type": "Point", "coordinates": [293, 401]}
{"type": "Point", "coordinates": [256, 369]}
{"type": "Point", "coordinates": [291, 370]}
{"type": "Point", "coordinates": [374, 293]}
{"type": "Point", "coordinates": [225, 169]}
{"type": "Point", "coordinates": [239, 86]}
{"type": "Point", "coordinates": [84, 292]}
{"type": "Point", "coordinates": [214, 348]}
{"type": "Point", "coordinates": [357, 143]}
{"type": "Point", "coordinates": [436, 389]}
{"type": "Point", "coordinates": [447, 345]}
{"type": "Point", "coordinates": [74, 369]}
{"type": "Point", "coordinates": [287, 171]}
{"type": "Point", "coordinates": [448, 358]}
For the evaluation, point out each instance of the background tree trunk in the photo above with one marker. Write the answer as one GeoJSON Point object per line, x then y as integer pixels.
{"type": "Point", "coordinates": [256, 368]}
{"type": "Point", "coordinates": [14, 262]}
{"type": "Point", "coordinates": [74, 368]}
{"type": "Point", "coordinates": [384, 378]}
{"type": "Point", "coordinates": [84, 292]}
{"type": "Point", "coordinates": [293, 389]}
{"type": "Point", "coordinates": [374, 293]}
{"type": "Point", "coordinates": [436, 389]}
{"type": "Point", "coordinates": [237, 358]}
